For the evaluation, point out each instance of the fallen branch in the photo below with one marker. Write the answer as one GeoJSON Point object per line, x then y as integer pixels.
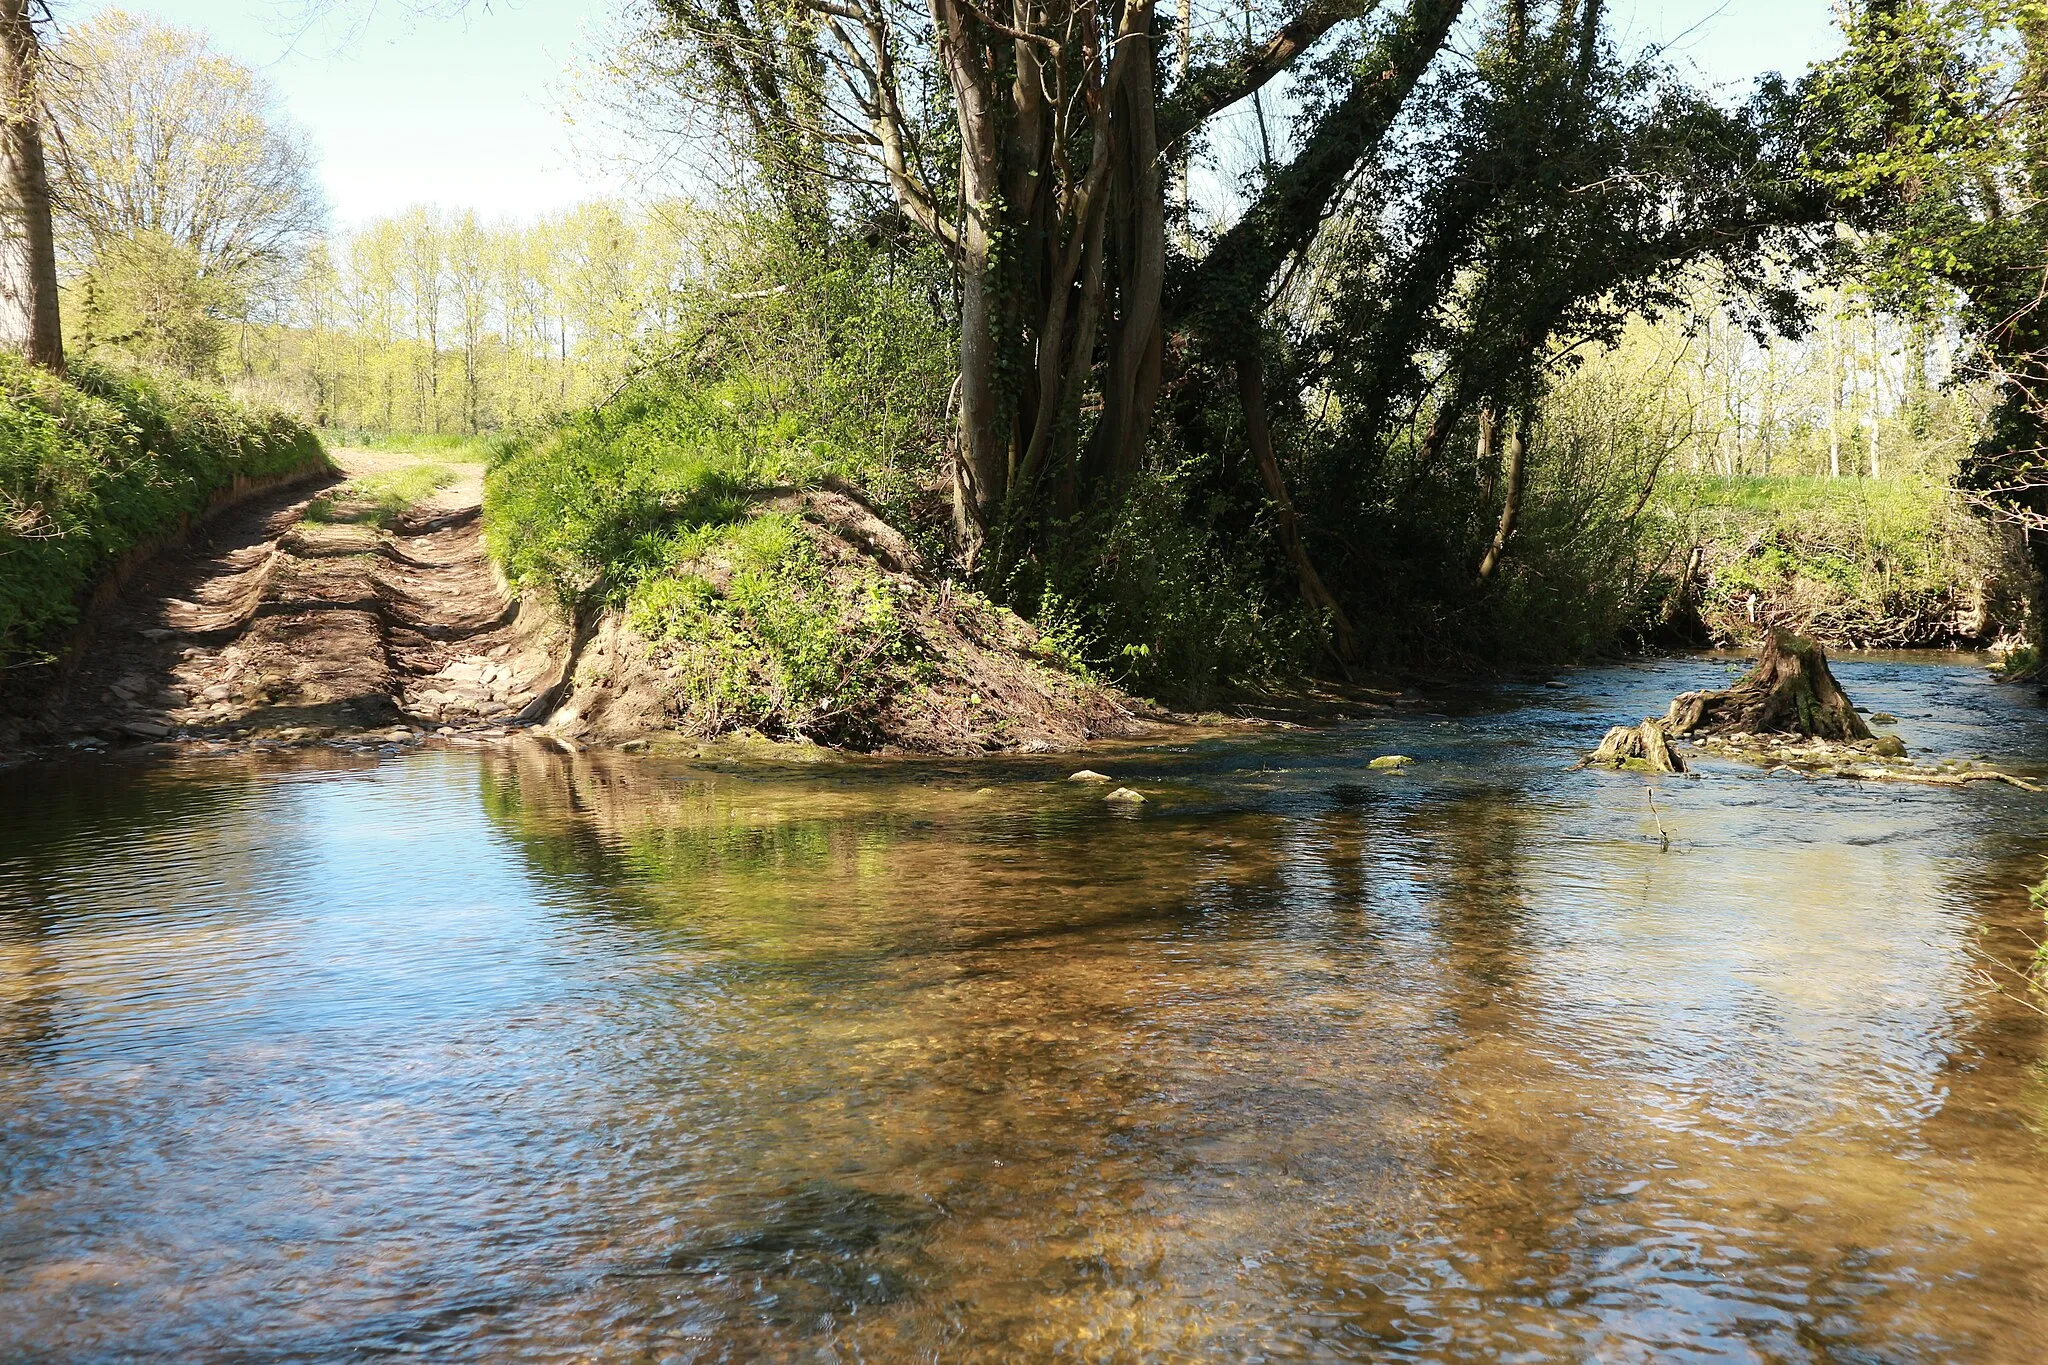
{"type": "Point", "coordinates": [1933, 779]}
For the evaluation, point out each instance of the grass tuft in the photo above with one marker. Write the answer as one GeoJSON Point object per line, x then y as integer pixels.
{"type": "Point", "coordinates": [380, 499]}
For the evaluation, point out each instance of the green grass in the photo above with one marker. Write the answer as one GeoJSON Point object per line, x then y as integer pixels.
{"type": "Point", "coordinates": [98, 462]}
{"type": "Point", "coordinates": [380, 499]}
{"type": "Point", "coordinates": [1905, 498]}
{"type": "Point", "coordinates": [447, 445]}
{"type": "Point", "coordinates": [649, 504]}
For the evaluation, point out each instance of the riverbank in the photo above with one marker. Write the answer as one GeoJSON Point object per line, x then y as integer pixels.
{"type": "Point", "coordinates": [365, 610]}
{"type": "Point", "coordinates": [1855, 563]}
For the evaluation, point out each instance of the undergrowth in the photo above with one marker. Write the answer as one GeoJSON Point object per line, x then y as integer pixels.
{"type": "Point", "coordinates": [654, 501]}
{"type": "Point", "coordinates": [447, 445]}
{"type": "Point", "coordinates": [97, 462]}
{"type": "Point", "coordinates": [774, 640]}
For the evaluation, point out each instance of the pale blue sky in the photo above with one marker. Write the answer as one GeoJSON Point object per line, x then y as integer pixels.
{"type": "Point", "coordinates": [468, 111]}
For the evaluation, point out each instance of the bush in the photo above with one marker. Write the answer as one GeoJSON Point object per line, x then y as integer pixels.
{"type": "Point", "coordinates": [96, 463]}
{"type": "Point", "coordinates": [839, 371]}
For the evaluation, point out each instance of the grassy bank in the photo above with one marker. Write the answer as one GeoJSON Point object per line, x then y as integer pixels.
{"type": "Point", "coordinates": [656, 504]}
{"type": "Point", "coordinates": [98, 462]}
{"type": "Point", "coordinates": [463, 449]}
{"type": "Point", "coordinates": [1865, 563]}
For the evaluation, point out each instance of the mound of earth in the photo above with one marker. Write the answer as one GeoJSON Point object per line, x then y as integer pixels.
{"type": "Point", "coordinates": [960, 675]}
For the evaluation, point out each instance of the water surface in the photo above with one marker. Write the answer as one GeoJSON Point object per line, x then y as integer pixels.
{"type": "Point", "coordinates": [513, 1057]}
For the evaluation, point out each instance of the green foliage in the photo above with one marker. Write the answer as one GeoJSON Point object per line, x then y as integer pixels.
{"type": "Point", "coordinates": [380, 499]}
{"type": "Point", "coordinates": [650, 500]}
{"type": "Point", "coordinates": [147, 299]}
{"type": "Point", "coordinates": [773, 640]}
{"type": "Point", "coordinates": [93, 465]}
{"type": "Point", "coordinates": [840, 375]}
{"type": "Point", "coordinates": [1173, 594]}
{"type": "Point", "coordinates": [447, 445]}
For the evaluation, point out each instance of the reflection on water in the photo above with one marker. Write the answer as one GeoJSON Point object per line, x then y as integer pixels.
{"type": "Point", "coordinates": [519, 1057]}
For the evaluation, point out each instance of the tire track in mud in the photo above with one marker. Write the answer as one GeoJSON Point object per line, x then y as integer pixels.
{"type": "Point", "coordinates": [312, 613]}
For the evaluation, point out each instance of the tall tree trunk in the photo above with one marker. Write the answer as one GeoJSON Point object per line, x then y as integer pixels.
{"type": "Point", "coordinates": [1137, 348]}
{"type": "Point", "coordinates": [1251, 391]}
{"type": "Point", "coordinates": [1511, 507]}
{"type": "Point", "coordinates": [981, 465]}
{"type": "Point", "coordinates": [29, 321]}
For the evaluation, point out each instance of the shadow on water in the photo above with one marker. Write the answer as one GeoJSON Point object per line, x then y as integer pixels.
{"type": "Point", "coordinates": [517, 1055]}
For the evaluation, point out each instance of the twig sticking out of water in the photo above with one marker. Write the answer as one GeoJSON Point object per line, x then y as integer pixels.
{"type": "Point", "coordinates": [1651, 792]}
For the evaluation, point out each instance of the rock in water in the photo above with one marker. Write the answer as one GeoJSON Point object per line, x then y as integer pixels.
{"type": "Point", "coordinates": [1642, 746]}
{"type": "Point", "coordinates": [1790, 691]}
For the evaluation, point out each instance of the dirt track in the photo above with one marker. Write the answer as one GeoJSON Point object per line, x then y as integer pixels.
{"type": "Point", "coordinates": [269, 622]}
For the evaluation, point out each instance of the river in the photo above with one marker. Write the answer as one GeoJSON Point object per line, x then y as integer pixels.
{"type": "Point", "coordinates": [507, 1056]}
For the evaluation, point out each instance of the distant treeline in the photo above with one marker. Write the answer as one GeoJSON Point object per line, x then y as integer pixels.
{"type": "Point", "coordinates": [439, 322]}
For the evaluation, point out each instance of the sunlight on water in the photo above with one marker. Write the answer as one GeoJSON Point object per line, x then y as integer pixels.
{"type": "Point", "coordinates": [519, 1057]}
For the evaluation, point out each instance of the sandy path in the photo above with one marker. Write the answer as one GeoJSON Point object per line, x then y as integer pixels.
{"type": "Point", "coordinates": [270, 622]}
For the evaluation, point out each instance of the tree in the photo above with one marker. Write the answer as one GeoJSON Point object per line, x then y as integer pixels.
{"type": "Point", "coordinates": [29, 320]}
{"type": "Point", "coordinates": [469, 278]}
{"type": "Point", "coordinates": [161, 134]}
{"type": "Point", "coordinates": [1935, 141]}
{"type": "Point", "coordinates": [149, 296]}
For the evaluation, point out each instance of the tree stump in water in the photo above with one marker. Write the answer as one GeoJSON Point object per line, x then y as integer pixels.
{"type": "Point", "coordinates": [1790, 691]}
{"type": "Point", "coordinates": [1637, 746]}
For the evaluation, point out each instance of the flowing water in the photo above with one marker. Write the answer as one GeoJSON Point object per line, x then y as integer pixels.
{"type": "Point", "coordinates": [486, 1056]}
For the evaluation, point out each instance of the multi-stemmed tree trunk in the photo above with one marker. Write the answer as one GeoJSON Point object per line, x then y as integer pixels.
{"type": "Point", "coordinates": [28, 254]}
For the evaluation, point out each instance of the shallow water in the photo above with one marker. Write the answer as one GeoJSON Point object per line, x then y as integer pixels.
{"type": "Point", "coordinates": [487, 1057]}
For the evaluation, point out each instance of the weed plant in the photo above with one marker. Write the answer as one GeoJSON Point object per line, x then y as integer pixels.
{"type": "Point", "coordinates": [1857, 560]}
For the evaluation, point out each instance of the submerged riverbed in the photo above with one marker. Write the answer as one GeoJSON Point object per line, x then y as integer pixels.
{"type": "Point", "coordinates": [491, 1057]}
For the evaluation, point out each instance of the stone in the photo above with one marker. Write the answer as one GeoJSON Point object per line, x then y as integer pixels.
{"type": "Point", "coordinates": [1888, 746]}
{"type": "Point", "coordinates": [144, 729]}
{"type": "Point", "coordinates": [1883, 718]}
{"type": "Point", "coordinates": [1390, 761]}
{"type": "Point", "coordinates": [1125, 796]}
{"type": "Point", "coordinates": [1090, 775]}
{"type": "Point", "coordinates": [634, 746]}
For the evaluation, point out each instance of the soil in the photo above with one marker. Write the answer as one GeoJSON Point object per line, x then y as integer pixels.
{"type": "Point", "coordinates": [265, 622]}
